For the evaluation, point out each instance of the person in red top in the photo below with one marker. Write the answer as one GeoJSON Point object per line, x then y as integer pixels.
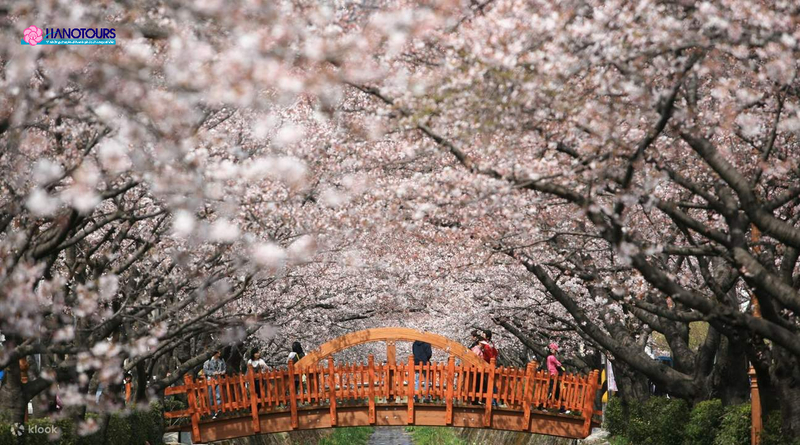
{"type": "Point", "coordinates": [488, 352]}
{"type": "Point", "coordinates": [554, 368]}
{"type": "Point", "coordinates": [553, 364]}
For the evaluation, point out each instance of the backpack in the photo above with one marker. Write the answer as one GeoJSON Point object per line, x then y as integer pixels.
{"type": "Point", "coordinates": [489, 352]}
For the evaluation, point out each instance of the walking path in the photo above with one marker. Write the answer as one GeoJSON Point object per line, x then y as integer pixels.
{"type": "Point", "coordinates": [390, 435]}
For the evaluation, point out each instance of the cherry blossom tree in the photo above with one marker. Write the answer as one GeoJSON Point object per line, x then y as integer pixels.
{"type": "Point", "coordinates": [647, 156]}
{"type": "Point", "coordinates": [594, 173]}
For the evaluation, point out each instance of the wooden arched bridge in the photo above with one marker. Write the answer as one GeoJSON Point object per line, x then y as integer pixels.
{"type": "Point", "coordinates": [306, 395]}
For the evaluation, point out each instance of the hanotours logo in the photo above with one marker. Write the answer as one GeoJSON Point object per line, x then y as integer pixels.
{"type": "Point", "coordinates": [68, 36]}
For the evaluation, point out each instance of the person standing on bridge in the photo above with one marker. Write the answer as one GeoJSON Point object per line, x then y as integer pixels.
{"type": "Point", "coordinates": [214, 368]}
{"type": "Point", "coordinates": [555, 368]}
{"type": "Point", "coordinates": [295, 356]}
{"type": "Point", "coordinates": [488, 352]}
{"type": "Point", "coordinates": [257, 365]}
{"type": "Point", "coordinates": [422, 356]}
{"type": "Point", "coordinates": [477, 349]}
{"type": "Point", "coordinates": [476, 343]}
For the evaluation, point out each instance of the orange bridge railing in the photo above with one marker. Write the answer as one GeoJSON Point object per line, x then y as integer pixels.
{"type": "Point", "coordinates": [384, 394]}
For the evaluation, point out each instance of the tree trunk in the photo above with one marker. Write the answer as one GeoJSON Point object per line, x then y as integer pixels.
{"type": "Point", "coordinates": [12, 398]}
{"type": "Point", "coordinates": [633, 386]}
{"type": "Point", "coordinates": [141, 383]}
{"type": "Point", "coordinates": [730, 382]}
{"type": "Point", "coordinates": [785, 378]}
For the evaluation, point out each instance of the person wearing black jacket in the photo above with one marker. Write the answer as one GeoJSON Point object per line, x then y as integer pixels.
{"type": "Point", "coordinates": [422, 356]}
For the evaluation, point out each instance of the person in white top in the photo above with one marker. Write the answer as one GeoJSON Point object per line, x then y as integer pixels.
{"type": "Point", "coordinates": [294, 357]}
{"type": "Point", "coordinates": [258, 365]}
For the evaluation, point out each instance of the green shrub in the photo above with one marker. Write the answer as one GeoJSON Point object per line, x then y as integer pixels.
{"type": "Point", "coordinates": [96, 438]}
{"type": "Point", "coordinates": [616, 418]}
{"type": "Point", "coordinates": [704, 423]}
{"type": "Point", "coordinates": [348, 436]}
{"type": "Point", "coordinates": [773, 430]}
{"type": "Point", "coordinates": [138, 426]}
{"type": "Point", "coordinates": [659, 421]}
{"type": "Point", "coordinates": [773, 433]}
{"type": "Point", "coordinates": [6, 438]}
{"type": "Point", "coordinates": [735, 426]}
{"type": "Point", "coordinates": [155, 425]}
{"type": "Point", "coordinates": [38, 432]}
{"type": "Point", "coordinates": [146, 426]}
{"type": "Point", "coordinates": [118, 431]}
{"type": "Point", "coordinates": [426, 435]}
{"type": "Point", "coordinates": [69, 434]}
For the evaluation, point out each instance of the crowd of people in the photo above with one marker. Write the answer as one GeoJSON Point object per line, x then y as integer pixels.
{"type": "Point", "coordinates": [215, 367]}
{"type": "Point", "coordinates": [481, 345]}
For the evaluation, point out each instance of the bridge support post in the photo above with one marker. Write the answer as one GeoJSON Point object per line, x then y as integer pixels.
{"type": "Point", "coordinates": [391, 353]}
{"type": "Point", "coordinates": [193, 407]}
{"type": "Point", "coordinates": [588, 402]}
{"type": "Point", "coordinates": [293, 396]}
{"type": "Point", "coordinates": [371, 390]}
{"type": "Point", "coordinates": [410, 390]}
{"type": "Point", "coordinates": [332, 389]}
{"type": "Point", "coordinates": [755, 412]}
{"type": "Point", "coordinates": [450, 381]}
{"type": "Point", "coordinates": [489, 391]}
{"type": "Point", "coordinates": [527, 398]}
{"type": "Point", "coordinates": [251, 380]}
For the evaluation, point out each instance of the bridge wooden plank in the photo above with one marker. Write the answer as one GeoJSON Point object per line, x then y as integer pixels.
{"type": "Point", "coordinates": [231, 400]}
{"type": "Point", "coordinates": [284, 394]}
{"type": "Point", "coordinates": [362, 381]}
{"type": "Point", "coordinates": [371, 391]}
{"type": "Point", "coordinates": [506, 386]}
{"type": "Point", "coordinates": [350, 394]}
{"type": "Point", "coordinates": [178, 414]}
{"type": "Point", "coordinates": [474, 388]}
{"type": "Point", "coordinates": [530, 379]}
{"type": "Point", "coordinates": [391, 352]}
{"type": "Point", "coordinates": [427, 376]}
{"type": "Point", "coordinates": [332, 384]}
{"type": "Point", "coordinates": [244, 397]}
{"type": "Point", "coordinates": [489, 392]}
{"type": "Point", "coordinates": [273, 388]}
{"type": "Point", "coordinates": [170, 390]}
{"type": "Point", "coordinates": [588, 407]}
{"type": "Point", "coordinates": [458, 375]}
{"type": "Point", "coordinates": [193, 408]}
{"type": "Point", "coordinates": [251, 378]}
{"type": "Point", "coordinates": [440, 382]}
{"type": "Point", "coordinates": [516, 395]}
{"type": "Point", "coordinates": [313, 386]}
{"type": "Point", "coordinates": [293, 395]}
{"type": "Point", "coordinates": [449, 381]}
{"type": "Point", "coordinates": [410, 372]}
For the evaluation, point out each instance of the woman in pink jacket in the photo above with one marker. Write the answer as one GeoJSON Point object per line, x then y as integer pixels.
{"type": "Point", "coordinates": [554, 368]}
